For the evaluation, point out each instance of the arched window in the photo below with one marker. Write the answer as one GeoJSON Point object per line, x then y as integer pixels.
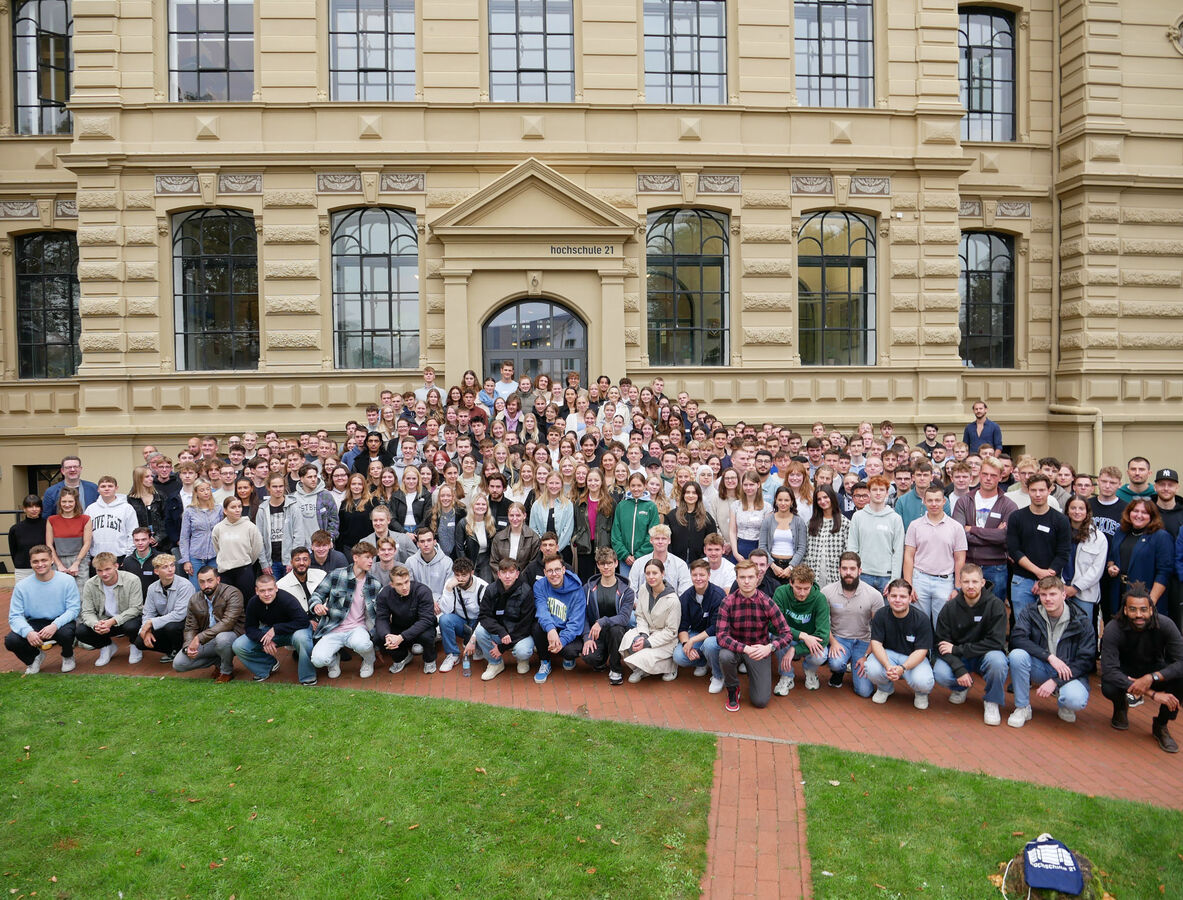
{"type": "Point", "coordinates": [987, 300]}
{"type": "Point", "coordinates": [987, 72]}
{"type": "Point", "coordinates": [686, 288]}
{"type": "Point", "coordinates": [836, 289]}
{"type": "Point", "coordinates": [42, 63]}
{"type": "Point", "coordinates": [539, 336]}
{"type": "Point", "coordinates": [375, 289]}
{"type": "Point", "coordinates": [47, 324]}
{"type": "Point", "coordinates": [216, 290]}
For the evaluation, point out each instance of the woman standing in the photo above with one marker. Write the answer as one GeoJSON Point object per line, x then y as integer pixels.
{"type": "Point", "coordinates": [353, 515]}
{"type": "Point", "coordinates": [1141, 550]}
{"type": "Point", "coordinates": [523, 488]}
{"type": "Point", "coordinates": [477, 543]}
{"type": "Point", "coordinates": [725, 497]}
{"type": "Point", "coordinates": [244, 490]}
{"type": "Point", "coordinates": [337, 482]}
{"type": "Point", "coordinates": [386, 487]}
{"type": "Point", "coordinates": [747, 516]}
{"type": "Point", "coordinates": [648, 648]}
{"type": "Point", "coordinates": [447, 521]}
{"type": "Point", "coordinates": [1086, 558]}
{"type": "Point", "coordinates": [828, 529]}
{"type": "Point", "coordinates": [517, 540]}
{"type": "Point", "coordinates": [149, 505]}
{"type": "Point", "coordinates": [68, 535]}
{"type": "Point", "coordinates": [374, 448]}
{"type": "Point", "coordinates": [797, 477]}
{"type": "Point", "coordinates": [635, 515]}
{"type": "Point", "coordinates": [554, 512]}
{"type": "Point", "coordinates": [593, 523]}
{"type": "Point", "coordinates": [197, 526]}
{"type": "Point", "coordinates": [411, 505]}
{"type": "Point", "coordinates": [237, 546]}
{"type": "Point", "coordinates": [784, 536]}
{"type": "Point", "coordinates": [655, 487]}
{"type": "Point", "coordinates": [689, 524]}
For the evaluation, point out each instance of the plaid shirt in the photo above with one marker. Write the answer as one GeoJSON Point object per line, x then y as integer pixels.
{"type": "Point", "coordinates": [336, 592]}
{"type": "Point", "coordinates": [748, 620]}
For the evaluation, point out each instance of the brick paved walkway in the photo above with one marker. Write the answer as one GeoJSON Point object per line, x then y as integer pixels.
{"type": "Point", "coordinates": [756, 768]}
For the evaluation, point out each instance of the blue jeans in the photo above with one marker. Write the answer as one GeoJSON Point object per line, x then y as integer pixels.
{"type": "Point", "coordinates": [259, 663]}
{"type": "Point", "coordinates": [932, 592]}
{"type": "Point", "coordinates": [999, 580]}
{"type": "Point", "coordinates": [809, 662]}
{"type": "Point", "coordinates": [878, 582]}
{"type": "Point", "coordinates": [708, 650]}
{"type": "Point", "coordinates": [198, 564]}
{"type": "Point", "coordinates": [1022, 594]}
{"type": "Point", "coordinates": [744, 547]}
{"type": "Point", "coordinates": [840, 660]}
{"type": "Point", "coordinates": [485, 642]}
{"type": "Point", "coordinates": [992, 667]}
{"type": "Point", "coordinates": [918, 678]}
{"type": "Point", "coordinates": [278, 569]}
{"type": "Point", "coordinates": [451, 627]}
{"type": "Point", "coordinates": [1025, 671]}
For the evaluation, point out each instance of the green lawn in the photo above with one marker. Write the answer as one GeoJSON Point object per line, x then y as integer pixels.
{"type": "Point", "coordinates": [176, 787]}
{"type": "Point", "coordinates": [897, 829]}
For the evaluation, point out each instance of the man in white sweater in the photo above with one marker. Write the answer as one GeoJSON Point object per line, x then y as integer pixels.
{"type": "Point", "coordinates": [112, 520]}
{"type": "Point", "coordinates": [677, 573]}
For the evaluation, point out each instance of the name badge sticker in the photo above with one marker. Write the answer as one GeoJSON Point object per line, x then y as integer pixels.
{"type": "Point", "coordinates": [977, 618]}
{"type": "Point", "coordinates": [910, 638]}
{"type": "Point", "coordinates": [1043, 528]}
{"type": "Point", "coordinates": [995, 515]}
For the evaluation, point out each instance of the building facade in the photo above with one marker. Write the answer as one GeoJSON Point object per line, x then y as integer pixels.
{"type": "Point", "coordinates": [219, 214]}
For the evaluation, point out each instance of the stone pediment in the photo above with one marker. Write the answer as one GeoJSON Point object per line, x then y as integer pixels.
{"type": "Point", "coordinates": [533, 199]}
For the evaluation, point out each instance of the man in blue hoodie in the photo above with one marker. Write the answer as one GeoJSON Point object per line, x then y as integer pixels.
{"type": "Point", "coordinates": [560, 606]}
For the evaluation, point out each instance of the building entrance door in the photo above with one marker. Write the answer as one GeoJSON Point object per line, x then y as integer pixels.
{"type": "Point", "coordinates": [539, 336]}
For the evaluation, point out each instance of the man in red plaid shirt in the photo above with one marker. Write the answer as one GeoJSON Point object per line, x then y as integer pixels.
{"type": "Point", "coordinates": [747, 619]}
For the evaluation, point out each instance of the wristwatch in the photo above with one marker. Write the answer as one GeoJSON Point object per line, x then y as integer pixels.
{"type": "Point", "coordinates": [1156, 677]}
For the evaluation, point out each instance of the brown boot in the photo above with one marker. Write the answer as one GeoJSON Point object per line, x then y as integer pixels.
{"type": "Point", "coordinates": [1165, 741]}
{"type": "Point", "coordinates": [1121, 717]}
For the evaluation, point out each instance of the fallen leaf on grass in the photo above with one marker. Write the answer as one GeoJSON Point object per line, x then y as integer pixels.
{"type": "Point", "coordinates": [254, 816]}
{"type": "Point", "coordinates": [53, 878]}
{"type": "Point", "coordinates": [881, 887]}
{"type": "Point", "coordinates": [996, 880]}
{"type": "Point", "coordinates": [412, 827]}
{"type": "Point", "coordinates": [1016, 834]}
{"type": "Point", "coordinates": [591, 870]}
{"type": "Point", "coordinates": [835, 782]}
{"type": "Point", "coordinates": [481, 770]}
{"type": "Point", "coordinates": [668, 846]}
{"type": "Point", "coordinates": [194, 800]}
{"type": "Point", "coordinates": [581, 840]}
{"type": "Point", "coordinates": [614, 841]}
{"type": "Point", "coordinates": [215, 865]}
{"type": "Point", "coordinates": [229, 827]}
{"type": "Point", "coordinates": [598, 826]}
{"type": "Point", "coordinates": [139, 850]}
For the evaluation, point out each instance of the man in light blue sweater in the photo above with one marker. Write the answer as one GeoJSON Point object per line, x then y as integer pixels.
{"type": "Point", "coordinates": [42, 613]}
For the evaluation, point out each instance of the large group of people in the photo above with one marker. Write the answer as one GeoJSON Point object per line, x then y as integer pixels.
{"type": "Point", "coordinates": [634, 532]}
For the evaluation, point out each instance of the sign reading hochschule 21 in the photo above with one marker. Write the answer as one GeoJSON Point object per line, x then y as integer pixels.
{"type": "Point", "coordinates": [582, 250]}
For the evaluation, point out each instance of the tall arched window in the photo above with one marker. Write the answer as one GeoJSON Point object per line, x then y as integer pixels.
{"type": "Point", "coordinates": [47, 324]}
{"type": "Point", "coordinates": [987, 300]}
{"type": "Point", "coordinates": [216, 290]}
{"type": "Point", "coordinates": [42, 63]}
{"type": "Point", "coordinates": [836, 289]}
{"type": "Point", "coordinates": [375, 289]}
{"type": "Point", "coordinates": [987, 72]}
{"type": "Point", "coordinates": [686, 288]}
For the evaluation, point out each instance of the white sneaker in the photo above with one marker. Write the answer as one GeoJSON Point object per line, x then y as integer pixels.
{"type": "Point", "coordinates": [716, 686]}
{"type": "Point", "coordinates": [68, 663]}
{"type": "Point", "coordinates": [335, 667]}
{"type": "Point", "coordinates": [1068, 715]}
{"type": "Point", "coordinates": [417, 649]}
{"type": "Point", "coordinates": [959, 696]}
{"type": "Point", "coordinates": [670, 676]}
{"type": "Point", "coordinates": [811, 682]}
{"type": "Point", "coordinates": [134, 654]}
{"type": "Point", "coordinates": [367, 668]}
{"type": "Point", "coordinates": [636, 677]}
{"type": "Point", "coordinates": [920, 701]}
{"type": "Point", "coordinates": [35, 666]}
{"type": "Point", "coordinates": [449, 662]}
{"type": "Point", "coordinates": [105, 655]}
{"type": "Point", "coordinates": [700, 671]}
{"type": "Point", "coordinates": [429, 668]}
{"type": "Point", "coordinates": [523, 666]}
{"type": "Point", "coordinates": [492, 671]}
{"type": "Point", "coordinates": [1019, 717]}
{"type": "Point", "coordinates": [991, 715]}
{"type": "Point", "coordinates": [880, 696]}
{"type": "Point", "coordinates": [783, 686]}
{"type": "Point", "coordinates": [397, 667]}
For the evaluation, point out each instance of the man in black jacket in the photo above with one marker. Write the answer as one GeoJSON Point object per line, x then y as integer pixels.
{"type": "Point", "coordinates": [971, 637]}
{"type": "Point", "coordinates": [1053, 645]}
{"type": "Point", "coordinates": [275, 619]}
{"type": "Point", "coordinates": [1142, 659]}
{"type": "Point", "coordinates": [506, 621]}
{"type": "Point", "coordinates": [404, 615]}
{"type": "Point", "coordinates": [610, 603]}
{"type": "Point", "coordinates": [697, 645]}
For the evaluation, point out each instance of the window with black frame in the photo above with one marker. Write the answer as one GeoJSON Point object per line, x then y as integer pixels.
{"type": "Point", "coordinates": [987, 300]}
{"type": "Point", "coordinates": [47, 294]}
{"type": "Point", "coordinates": [42, 32]}
{"type": "Point", "coordinates": [836, 289]}
{"type": "Point", "coordinates": [532, 51]}
{"type": "Point", "coordinates": [834, 42]}
{"type": "Point", "coordinates": [375, 255]}
{"type": "Point", "coordinates": [685, 51]}
{"type": "Point", "coordinates": [372, 50]}
{"type": "Point", "coordinates": [987, 71]}
{"type": "Point", "coordinates": [686, 265]}
{"type": "Point", "coordinates": [211, 50]}
{"type": "Point", "coordinates": [216, 290]}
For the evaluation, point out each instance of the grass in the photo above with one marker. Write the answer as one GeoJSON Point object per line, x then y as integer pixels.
{"type": "Point", "coordinates": [892, 829]}
{"type": "Point", "coordinates": [177, 788]}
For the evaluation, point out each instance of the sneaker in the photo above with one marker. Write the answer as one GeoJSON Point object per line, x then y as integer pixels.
{"type": "Point", "coordinates": [990, 713]}
{"type": "Point", "coordinates": [367, 668]}
{"type": "Point", "coordinates": [732, 704]}
{"type": "Point", "coordinates": [543, 672]}
{"type": "Point", "coordinates": [523, 666]}
{"type": "Point", "coordinates": [880, 696]}
{"type": "Point", "coordinates": [311, 683]}
{"type": "Point", "coordinates": [430, 668]}
{"type": "Point", "coordinates": [492, 670]}
{"type": "Point", "coordinates": [811, 681]}
{"type": "Point", "coordinates": [920, 701]}
{"type": "Point", "coordinates": [1133, 702]}
{"type": "Point", "coordinates": [134, 654]}
{"type": "Point", "coordinates": [397, 667]}
{"type": "Point", "coordinates": [261, 678]}
{"type": "Point", "coordinates": [836, 679]}
{"type": "Point", "coordinates": [35, 666]}
{"type": "Point", "coordinates": [958, 697]}
{"type": "Point", "coordinates": [68, 663]}
{"type": "Point", "coordinates": [166, 658]}
{"type": "Point", "coordinates": [105, 655]}
{"type": "Point", "coordinates": [568, 665]}
{"type": "Point", "coordinates": [670, 676]}
{"type": "Point", "coordinates": [716, 686]}
{"type": "Point", "coordinates": [615, 678]}
{"type": "Point", "coordinates": [743, 668]}
{"type": "Point", "coordinates": [335, 668]}
{"type": "Point", "coordinates": [275, 668]}
{"type": "Point", "coordinates": [783, 686]}
{"type": "Point", "coordinates": [417, 649]}
{"type": "Point", "coordinates": [1020, 717]}
{"type": "Point", "coordinates": [1068, 715]}
{"type": "Point", "coordinates": [700, 671]}
{"type": "Point", "coordinates": [636, 676]}
{"type": "Point", "coordinates": [449, 661]}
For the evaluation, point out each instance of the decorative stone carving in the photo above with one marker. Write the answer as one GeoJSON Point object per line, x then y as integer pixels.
{"type": "Point", "coordinates": [290, 234]}
{"type": "Point", "coordinates": [206, 128]}
{"type": "Point", "coordinates": [758, 302]}
{"type": "Point", "coordinates": [104, 342]}
{"type": "Point", "coordinates": [140, 235]}
{"type": "Point", "coordinates": [98, 271]}
{"type": "Point", "coordinates": [871, 185]}
{"type": "Point", "coordinates": [292, 306]}
{"type": "Point", "coordinates": [289, 199]}
{"type": "Point", "coordinates": [369, 187]}
{"type": "Point", "coordinates": [767, 199]}
{"type": "Point", "coordinates": [971, 208]}
{"type": "Point", "coordinates": [812, 184]}
{"type": "Point", "coordinates": [369, 126]}
{"type": "Point", "coordinates": [632, 336]}
{"type": "Point", "coordinates": [98, 236]}
{"type": "Point", "coordinates": [767, 234]}
{"type": "Point", "coordinates": [141, 271]}
{"type": "Point", "coordinates": [1175, 35]}
{"type": "Point", "coordinates": [442, 199]}
{"type": "Point", "coordinates": [338, 183]}
{"type": "Point", "coordinates": [208, 185]}
{"type": "Point", "coordinates": [240, 184]}
{"type": "Point", "coordinates": [99, 306]}
{"type": "Point", "coordinates": [766, 336]}
{"type": "Point", "coordinates": [436, 337]}
{"type": "Point", "coordinates": [1013, 209]}
{"type": "Point", "coordinates": [632, 302]}
{"type": "Point", "coordinates": [719, 184]}
{"type": "Point", "coordinates": [404, 182]}
{"type": "Point", "coordinates": [143, 341]}
{"type": "Point", "coordinates": [689, 128]}
{"type": "Point", "coordinates": [841, 189]}
{"type": "Point", "coordinates": [94, 127]}
{"type": "Point", "coordinates": [18, 209]}
{"type": "Point", "coordinates": [293, 340]}
{"type": "Point", "coordinates": [659, 183]}
{"type": "Point", "coordinates": [284, 269]}
{"type": "Point", "coordinates": [533, 128]}
{"type": "Point", "coordinates": [768, 267]}
{"type": "Point", "coordinates": [142, 306]}
{"type": "Point", "coordinates": [138, 200]}
{"type": "Point", "coordinates": [534, 283]}
{"type": "Point", "coordinates": [177, 184]}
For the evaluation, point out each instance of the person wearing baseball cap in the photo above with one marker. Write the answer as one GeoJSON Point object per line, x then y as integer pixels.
{"type": "Point", "coordinates": [1166, 482]}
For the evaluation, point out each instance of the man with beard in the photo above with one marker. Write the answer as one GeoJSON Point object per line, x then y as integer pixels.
{"type": "Point", "coordinates": [853, 603]}
{"type": "Point", "coordinates": [213, 621]}
{"type": "Point", "coordinates": [303, 580]}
